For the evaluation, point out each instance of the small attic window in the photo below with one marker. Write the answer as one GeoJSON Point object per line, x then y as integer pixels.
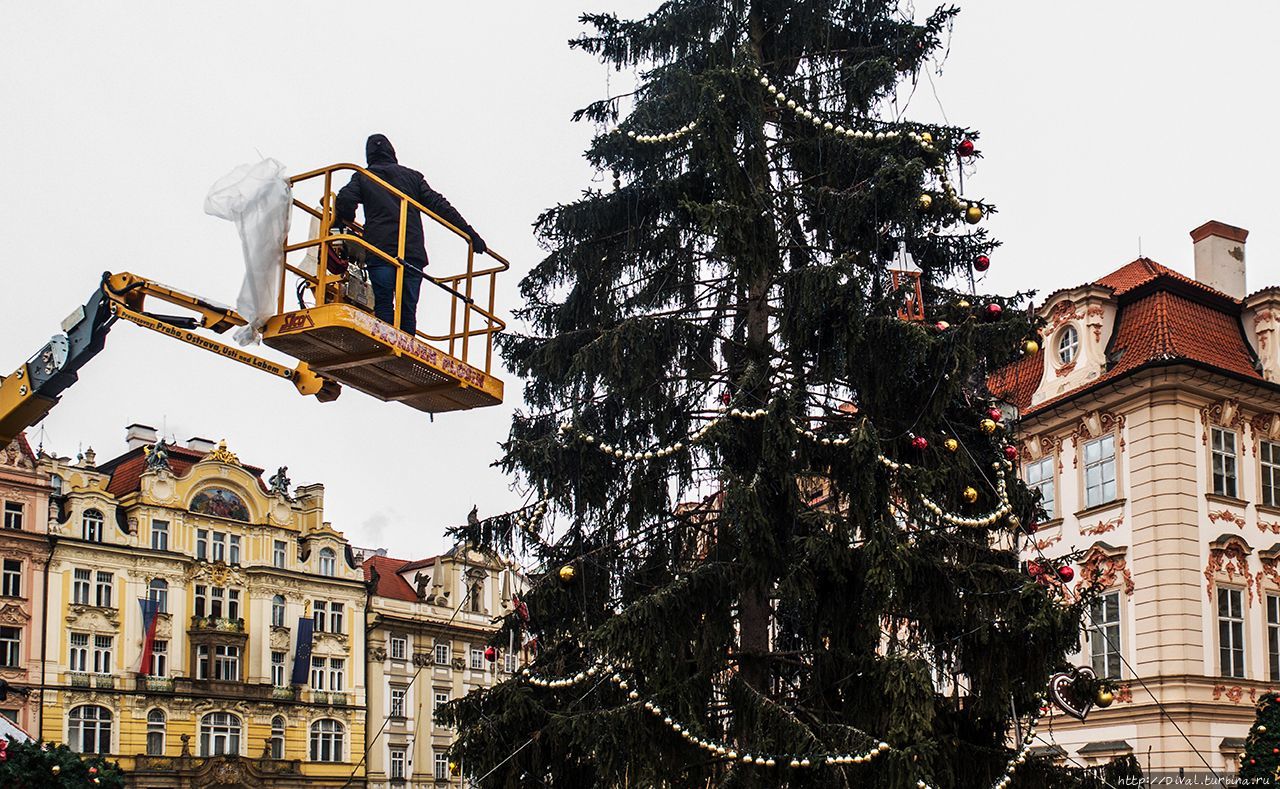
{"type": "Point", "coordinates": [1068, 344]}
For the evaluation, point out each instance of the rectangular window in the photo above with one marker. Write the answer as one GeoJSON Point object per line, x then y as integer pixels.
{"type": "Point", "coordinates": [102, 654]}
{"type": "Point", "coordinates": [80, 587]}
{"type": "Point", "coordinates": [278, 554]}
{"type": "Point", "coordinates": [10, 647]}
{"type": "Point", "coordinates": [102, 589]}
{"type": "Point", "coordinates": [1039, 476]}
{"type": "Point", "coordinates": [217, 596]}
{"type": "Point", "coordinates": [159, 535]}
{"type": "Point", "coordinates": [477, 659]}
{"type": "Point", "coordinates": [1270, 453]}
{"type": "Point", "coordinates": [79, 657]}
{"type": "Point", "coordinates": [335, 618]}
{"type": "Point", "coordinates": [442, 654]}
{"type": "Point", "coordinates": [1100, 471]}
{"type": "Point", "coordinates": [233, 603]}
{"type": "Point", "coordinates": [11, 580]}
{"type": "Point", "coordinates": [397, 762]}
{"type": "Point", "coordinates": [442, 698]}
{"type": "Point", "coordinates": [233, 553]}
{"type": "Point", "coordinates": [1104, 635]}
{"type": "Point", "coordinates": [159, 658]}
{"type": "Point", "coordinates": [1231, 632]}
{"type": "Point", "coordinates": [202, 603]}
{"type": "Point", "coordinates": [337, 674]}
{"type": "Point", "coordinates": [202, 544]}
{"type": "Point", "coordinates": [13, 514]}
{"type": "Point", "coordinates": [512, 662]}
{"type": "Point", "coordinates": [219, 547]}
{"type": "Point", "coordinates": [1224, 461]}
{"type": "Point", "coordinates": [442, 767]}
{"type": "Point", "coordinates": [277, 669]}
{"type": "Point", "coordinates": [317, 673]}
{"type": "Point", "coordinates": [226, 663]}
{"type": "Point", "coordinates": [202, 661]}
{"type": "Point", "coordinates": [319, 615]}
{"type": "Point", "coordinates": [399, 647]}
{"type": "Point", "coordinates": [397, 702]}
{"type": "Point", "coordinates": [1273, 637]}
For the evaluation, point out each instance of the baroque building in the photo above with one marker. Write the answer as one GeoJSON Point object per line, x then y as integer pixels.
{"type": "Point", "coordinates": [430, 623]}
{"type": "Point", "coordinates": [206, 627]}
{"type": "Point", "coordinates": [1150, 423]}
{"type": "Point", "coordinates": [24, 553]}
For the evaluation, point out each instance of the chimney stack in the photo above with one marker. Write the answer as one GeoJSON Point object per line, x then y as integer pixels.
{"type": "Point", "coordinates": [1219, 251]}
{"type": "Point", "coordinates": [137, 435]}
{"type": "Point", "coordinates": [198, 444]}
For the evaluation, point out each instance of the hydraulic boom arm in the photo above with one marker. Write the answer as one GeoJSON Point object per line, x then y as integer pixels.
{"type": "Point", "coordinates": [35, 387]}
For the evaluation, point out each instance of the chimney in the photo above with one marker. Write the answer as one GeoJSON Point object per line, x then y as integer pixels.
{"type": "Point", "coordinates": [137, 435]}
{"type": "Point", "coordinates": [1219, 250]}
{"type": "Point", "coordinates": [203, 445]}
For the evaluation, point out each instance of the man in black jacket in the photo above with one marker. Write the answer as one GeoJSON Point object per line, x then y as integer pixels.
{"type": "Point", "coordinates": [382, 228]}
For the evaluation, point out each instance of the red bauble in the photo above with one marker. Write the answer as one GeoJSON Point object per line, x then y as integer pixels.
{"type": "Point", "coordinates": [942, 325]}
{"type": "Point", "coordinates": [1011, 453]}
{"type": "Point", "coordinates": [993, 311]}
{"type": "Point", "coordinates": [919, 443]}
{"type": "Point", "coordinates": [1065, 574]}
{"type": "Point", "coordinates": [93, 771]}
{"type": "Point", "coordinates": [982, 263]}
{"type": "Point", "coordinates": [1034, 570]}
{"type": "Point", "coordinates": [965, 148]}
{"type": "Point", "coordinates": [994, 414]}
{"type": "Point", "coordinates": [1030, 528]}
{"type": "Point", "coordinates": [491, 654]}
{"type": "Point", "coordinates": [725, 397]}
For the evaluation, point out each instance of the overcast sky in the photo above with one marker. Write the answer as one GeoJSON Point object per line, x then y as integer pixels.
{"type": "Point", "coordinates": [1102, 124]}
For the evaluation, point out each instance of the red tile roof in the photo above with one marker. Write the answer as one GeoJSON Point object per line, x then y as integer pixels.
{"type": "Point", "coordinates": [126, 470]}
{"type": "Point", "coordinates": [390, 584]}
{"type": "Point", "coordinates": [1162, 316]}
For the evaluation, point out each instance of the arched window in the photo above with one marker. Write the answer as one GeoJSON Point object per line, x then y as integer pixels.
{"type": "Point", "coordinates": [92, 523]}
{"type": "Point", "coordinates": [219, 733]}
{"type": "Point", "coordinates": [277, 610]}
{"type": "Point", "coordinates": [158, 593]}
{"type": "Point", "coordinates": [155, 733]}
{"type": "Point", "coordinates": [89, 729]}
{"type": "Point", "coordinates": [328, 561]}
{"type": "Point", "coordinates": [326, 740]}
{"type": "Point", "coordinates": [1068, 344]}
{"type": "Point", "coordinates": [277, 737]}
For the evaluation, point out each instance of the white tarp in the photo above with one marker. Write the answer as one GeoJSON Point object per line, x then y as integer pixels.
{"type": "Point", "coordinates": [256, 197]}
{"type": "Point", "coordinates": [11, 730]}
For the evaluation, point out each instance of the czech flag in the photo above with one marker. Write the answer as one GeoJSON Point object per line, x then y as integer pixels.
{"type": "Point", "coordinates": [149, 610]}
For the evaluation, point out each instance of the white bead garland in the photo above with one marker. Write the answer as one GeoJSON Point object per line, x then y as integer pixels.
{"type": "Point", "coordinates": [664, 137]}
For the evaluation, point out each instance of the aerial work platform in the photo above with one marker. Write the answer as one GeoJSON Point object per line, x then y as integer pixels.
{"type": "Point", "coordinates": [448, 367]}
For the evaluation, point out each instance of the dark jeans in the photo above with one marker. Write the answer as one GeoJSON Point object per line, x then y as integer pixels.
{"type": "Point", "coordinates": [382, 276]}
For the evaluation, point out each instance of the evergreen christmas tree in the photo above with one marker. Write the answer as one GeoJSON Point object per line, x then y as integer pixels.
{"type": "Point", "coordinates": [775, 512]}
{"type": "Point", "coordinates": [1261, 760]}
{"type": "Point", "coordinates": [36, 765]}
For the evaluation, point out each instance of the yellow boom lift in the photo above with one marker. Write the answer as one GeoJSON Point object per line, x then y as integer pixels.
{"type": "Point", "coordinates": [332, 333]}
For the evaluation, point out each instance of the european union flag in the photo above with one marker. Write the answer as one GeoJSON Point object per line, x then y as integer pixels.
{"type": "Point", "coordinates": [302, 652]}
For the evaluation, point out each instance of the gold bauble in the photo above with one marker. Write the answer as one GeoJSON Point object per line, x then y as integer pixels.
{"type": "Point", "coordinates": [1262, 730]}
{"type": "Point", "coordinates": [57, 768]}
{"type": "Point", "coordinates": [926, 137]}
{"type": "Point", "coordinates": [970, 494]}
{"type": "Point", "coordinates": [1104, 698]}
{"type": "Point", "coordinates": [973, 214]}
{"type": "Point", "coordinates": [951, 444]}
{"type": "Point", "coordinates": [963, 304]}
{"type": "Point", "coordinates": [567, 574]}
{"type": "Point", "coordinates": [1031, 347]}
{"type": "Point", "coordinates": [925, 202]}
{"type": "Point", "coordinates": [988, 426]}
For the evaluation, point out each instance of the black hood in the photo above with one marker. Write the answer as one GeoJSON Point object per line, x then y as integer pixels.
{"type": "Point", "coordinates": [378, 150]}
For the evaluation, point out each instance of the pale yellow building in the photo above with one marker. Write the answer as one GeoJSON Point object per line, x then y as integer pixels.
{"type": "Point", "coordinates": [234, 563]}
{"type": "Point", "coordinates": [1151, 423]}
{"type": "Point", "coordinates": [429, 623]}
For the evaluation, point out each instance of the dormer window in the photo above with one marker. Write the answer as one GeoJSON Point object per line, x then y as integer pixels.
{"type": "Point", "coordinates": [1068, 344]}
{"type": "Point", "coordinates": [328, 562]}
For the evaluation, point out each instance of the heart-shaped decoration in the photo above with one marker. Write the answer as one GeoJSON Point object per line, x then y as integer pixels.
{"type": "Point", "coordinates": [1062, 689]}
